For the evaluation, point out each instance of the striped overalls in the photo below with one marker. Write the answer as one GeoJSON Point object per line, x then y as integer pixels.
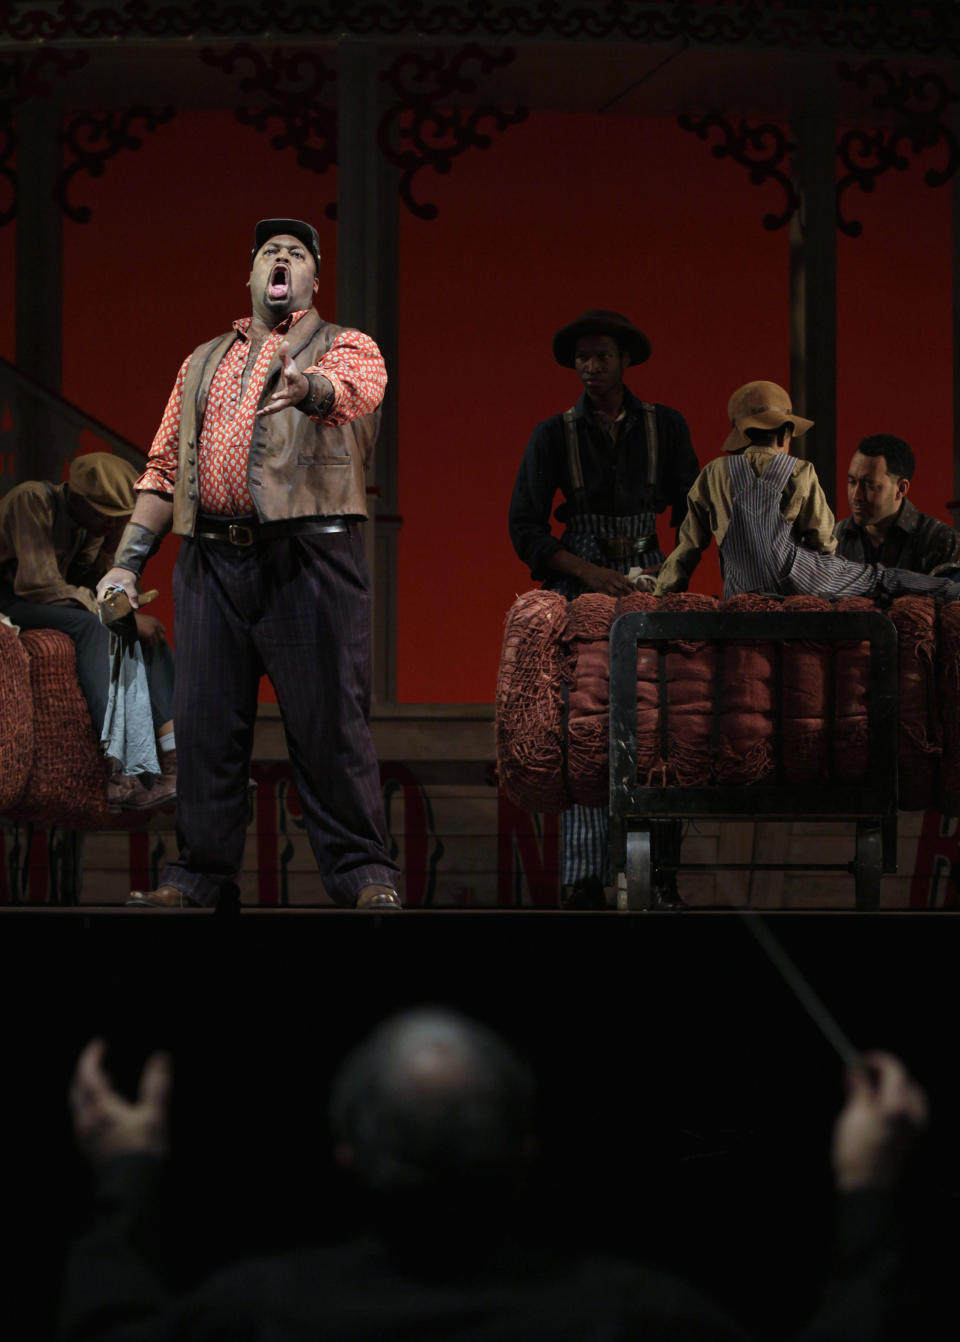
{"type": "Point", "coordinates": [759, 554]}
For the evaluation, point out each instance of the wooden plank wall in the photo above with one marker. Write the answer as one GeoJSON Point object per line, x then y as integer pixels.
{"type": "Point", "coordinates": [462, 845]}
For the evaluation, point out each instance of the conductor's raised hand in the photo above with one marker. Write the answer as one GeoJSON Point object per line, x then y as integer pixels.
{"type": "Point", "coordinates": [885, 1112]}
{"type": "Point", "coordinates": [106, 1124]}
{"type": "Point", "coordinates": [293, 387]}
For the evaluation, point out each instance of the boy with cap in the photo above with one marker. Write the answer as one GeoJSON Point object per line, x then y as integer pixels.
{"type": "Point", "coordinates": [55, 542]}
{"type": "Point", "coordinates": [772, 522]}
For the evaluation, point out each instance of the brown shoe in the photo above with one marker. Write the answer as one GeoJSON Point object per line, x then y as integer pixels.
{"type": "Point", "coordinates": [128, 793]}
{"type": "Point", "coordinates": [380, 898]}
{"type": "Point", "coordinates": [164, 897]}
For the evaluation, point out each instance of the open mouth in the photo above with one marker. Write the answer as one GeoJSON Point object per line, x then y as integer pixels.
{"type": "Point", "coordinates": [279, 283]}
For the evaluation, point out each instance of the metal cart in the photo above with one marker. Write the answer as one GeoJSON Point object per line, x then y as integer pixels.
{"type": "Point", "coordinates": [637, 813]}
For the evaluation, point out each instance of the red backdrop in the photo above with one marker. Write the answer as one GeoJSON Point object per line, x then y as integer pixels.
{"type": "Point", "coordinates": [562, 213]}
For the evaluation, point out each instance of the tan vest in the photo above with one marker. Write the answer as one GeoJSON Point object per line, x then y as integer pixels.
{"type": "Point", "coordinates": [295, 467]}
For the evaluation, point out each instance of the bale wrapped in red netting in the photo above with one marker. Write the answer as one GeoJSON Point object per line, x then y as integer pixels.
{"type": "Point", "coordinates": [587, 637]}
{"type": "Point", "coordinates": [806, 694]}
{"type": "Point", "coordinates": [918, 745]}
{"type": "Point", "coordinates": [746, 753]}
{"type": "Point", "coordinates": [529, 705]}
{"type": "Point", "coordinates": [851, 680]}
{"type": "Point", "coordinates": [68, 775]}
{"type": "Point", "coordinates": [948, 690]}
{"type": "Point", "coordinates": [16, 719]}
{"type": "Point", "coordinates": [589, 621]}
{"type": "Point", "coordinates": [690, 669]}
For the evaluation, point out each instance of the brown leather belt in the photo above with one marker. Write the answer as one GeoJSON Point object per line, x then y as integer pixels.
{"type": "Point", "coordinates": [249, 532]}
{"type": "Point", "coordinates": [625, 547]}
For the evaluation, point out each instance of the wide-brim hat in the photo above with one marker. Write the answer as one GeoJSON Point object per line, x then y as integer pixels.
{"type": "Point", "coordinates": [297, 228]}
{"type": "Point", "coordinates": [105, 482]}
{"type": "Point", "coordinates": [760, 405]}
{"type": "Point", "coordinates": [600, 321]}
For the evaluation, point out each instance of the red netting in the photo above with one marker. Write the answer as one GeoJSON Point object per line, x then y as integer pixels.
{"type": "Point", "coordinates": [588, 721]}
{"type": "Point", "coordinates": [16, 719]}
{"type": "Point", "coordinates": [948, 688]}
{"type": "Point", "coordinates": [747, 750]}
{"type": "Point", "coordinates": [68, 779]}
{"type": "Point", "coordinates": [690, 670]}
{"type": "Point", "coordinates": [648, 692]}
{"type": "Point", "coordinates": [806, 690]}
{"type": "Point", "coordinates": [918, 746]}
{"type": "Point", "coordinates": [529, 705]}
{"type": "Point", "coordinates": [549, 645]}
{"type": "Point", "coordinates": [851, 690]}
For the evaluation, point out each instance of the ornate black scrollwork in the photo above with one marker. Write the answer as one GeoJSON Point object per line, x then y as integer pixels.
{"type": "Point", "coordinates": [920, 102]}
{"type": "Point", "coordinates": [895, 25]}
{"type": "Point", "coordinates": [421, 130]}
{"type": "Point", "coordinates": [291, 84]}
{"type": "Point", "coordinates": [23, 77]}
{"type": "Point", "coordinates": [92, 138]}
{"type": "Point", "coordinates": [761, 149]}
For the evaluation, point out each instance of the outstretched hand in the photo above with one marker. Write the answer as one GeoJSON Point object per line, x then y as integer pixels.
{"type": "Point", "coordinates": [106, 1124]}
{"type": "Point", "coordinates": [884, 1114]}
{"type": "Point", "coordinates": [294, 385]}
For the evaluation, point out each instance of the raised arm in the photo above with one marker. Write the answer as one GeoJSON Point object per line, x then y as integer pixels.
{"type": "Point", "coordinates": [348, 382]}
{"type": "Point", "coordinates": [112, 1291]}
{"type": "Point", "coordinates": [868, 1297]}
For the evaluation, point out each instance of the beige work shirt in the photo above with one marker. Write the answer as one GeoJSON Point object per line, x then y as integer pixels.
{"type": "Point", "coordinates": [802, 504]}
{"type": "Point", "coordinates": [39, 541]}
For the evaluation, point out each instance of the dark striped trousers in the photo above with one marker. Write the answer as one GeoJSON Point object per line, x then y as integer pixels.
{"type": "Point", "coordinates": [298, 609]}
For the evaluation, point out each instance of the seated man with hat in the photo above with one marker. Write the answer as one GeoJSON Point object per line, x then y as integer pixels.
{"type": "Point", "coordinates": [772, 522]}
{"type": "Point", "coordinates": [618, 462]}
{"type": "Point", "coordinates": [55, 542]}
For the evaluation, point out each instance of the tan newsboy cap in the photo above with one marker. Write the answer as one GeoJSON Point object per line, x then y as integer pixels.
{"type": "Point", "coordinates": [760, 405]}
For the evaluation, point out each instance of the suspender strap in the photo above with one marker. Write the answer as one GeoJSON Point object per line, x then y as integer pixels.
{"type": "Point", "coordinates": [576, 469]}
{"type": "Point", "coordinates": [650, 418]}
{"type": "Point", "coordinates": [579, 499]}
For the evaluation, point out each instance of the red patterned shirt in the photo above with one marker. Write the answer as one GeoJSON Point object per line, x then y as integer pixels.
{"type": "Point", "coordinates": [353, 365]}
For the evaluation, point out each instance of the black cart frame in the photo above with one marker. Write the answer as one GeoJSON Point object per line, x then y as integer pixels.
{"type": "Point", "coordinates": [638, 813]}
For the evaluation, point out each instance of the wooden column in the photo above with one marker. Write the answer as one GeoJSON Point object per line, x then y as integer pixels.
{"type": "Point", "coordinates": [40, 448]}
{"type": "Point", "coordinates": [813, 294]}
{"type": "Point", "coordinates": [954, 503]}
{"type": "Point", "coordinates": [367, 278]}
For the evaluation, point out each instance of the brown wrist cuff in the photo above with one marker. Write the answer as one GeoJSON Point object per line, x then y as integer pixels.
{"type": "Point", "coordinates": [316, 402]}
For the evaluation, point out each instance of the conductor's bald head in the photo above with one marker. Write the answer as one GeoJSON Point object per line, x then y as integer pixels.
{"type": "Point", "coordinates": [433, 1102]}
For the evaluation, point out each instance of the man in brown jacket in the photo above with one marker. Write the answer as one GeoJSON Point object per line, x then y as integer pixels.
{"type": "Point", "coordinates": [259, 464]}
{"type": "Point", "coordinates": [55, 542]}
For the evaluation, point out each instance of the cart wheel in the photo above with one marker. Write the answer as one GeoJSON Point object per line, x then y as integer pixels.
{"type": "Point", "coordinates": [868, 865]}
{"type": "Point", "coordinates": [638, 892]}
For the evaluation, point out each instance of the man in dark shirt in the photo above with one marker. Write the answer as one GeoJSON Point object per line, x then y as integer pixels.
{"type": "Point", "coordinates": [618, 462]}
{"type": "Point", "coordinates": [884, 526]}
{"type": "Point", "coordinates": [434, 1115]}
